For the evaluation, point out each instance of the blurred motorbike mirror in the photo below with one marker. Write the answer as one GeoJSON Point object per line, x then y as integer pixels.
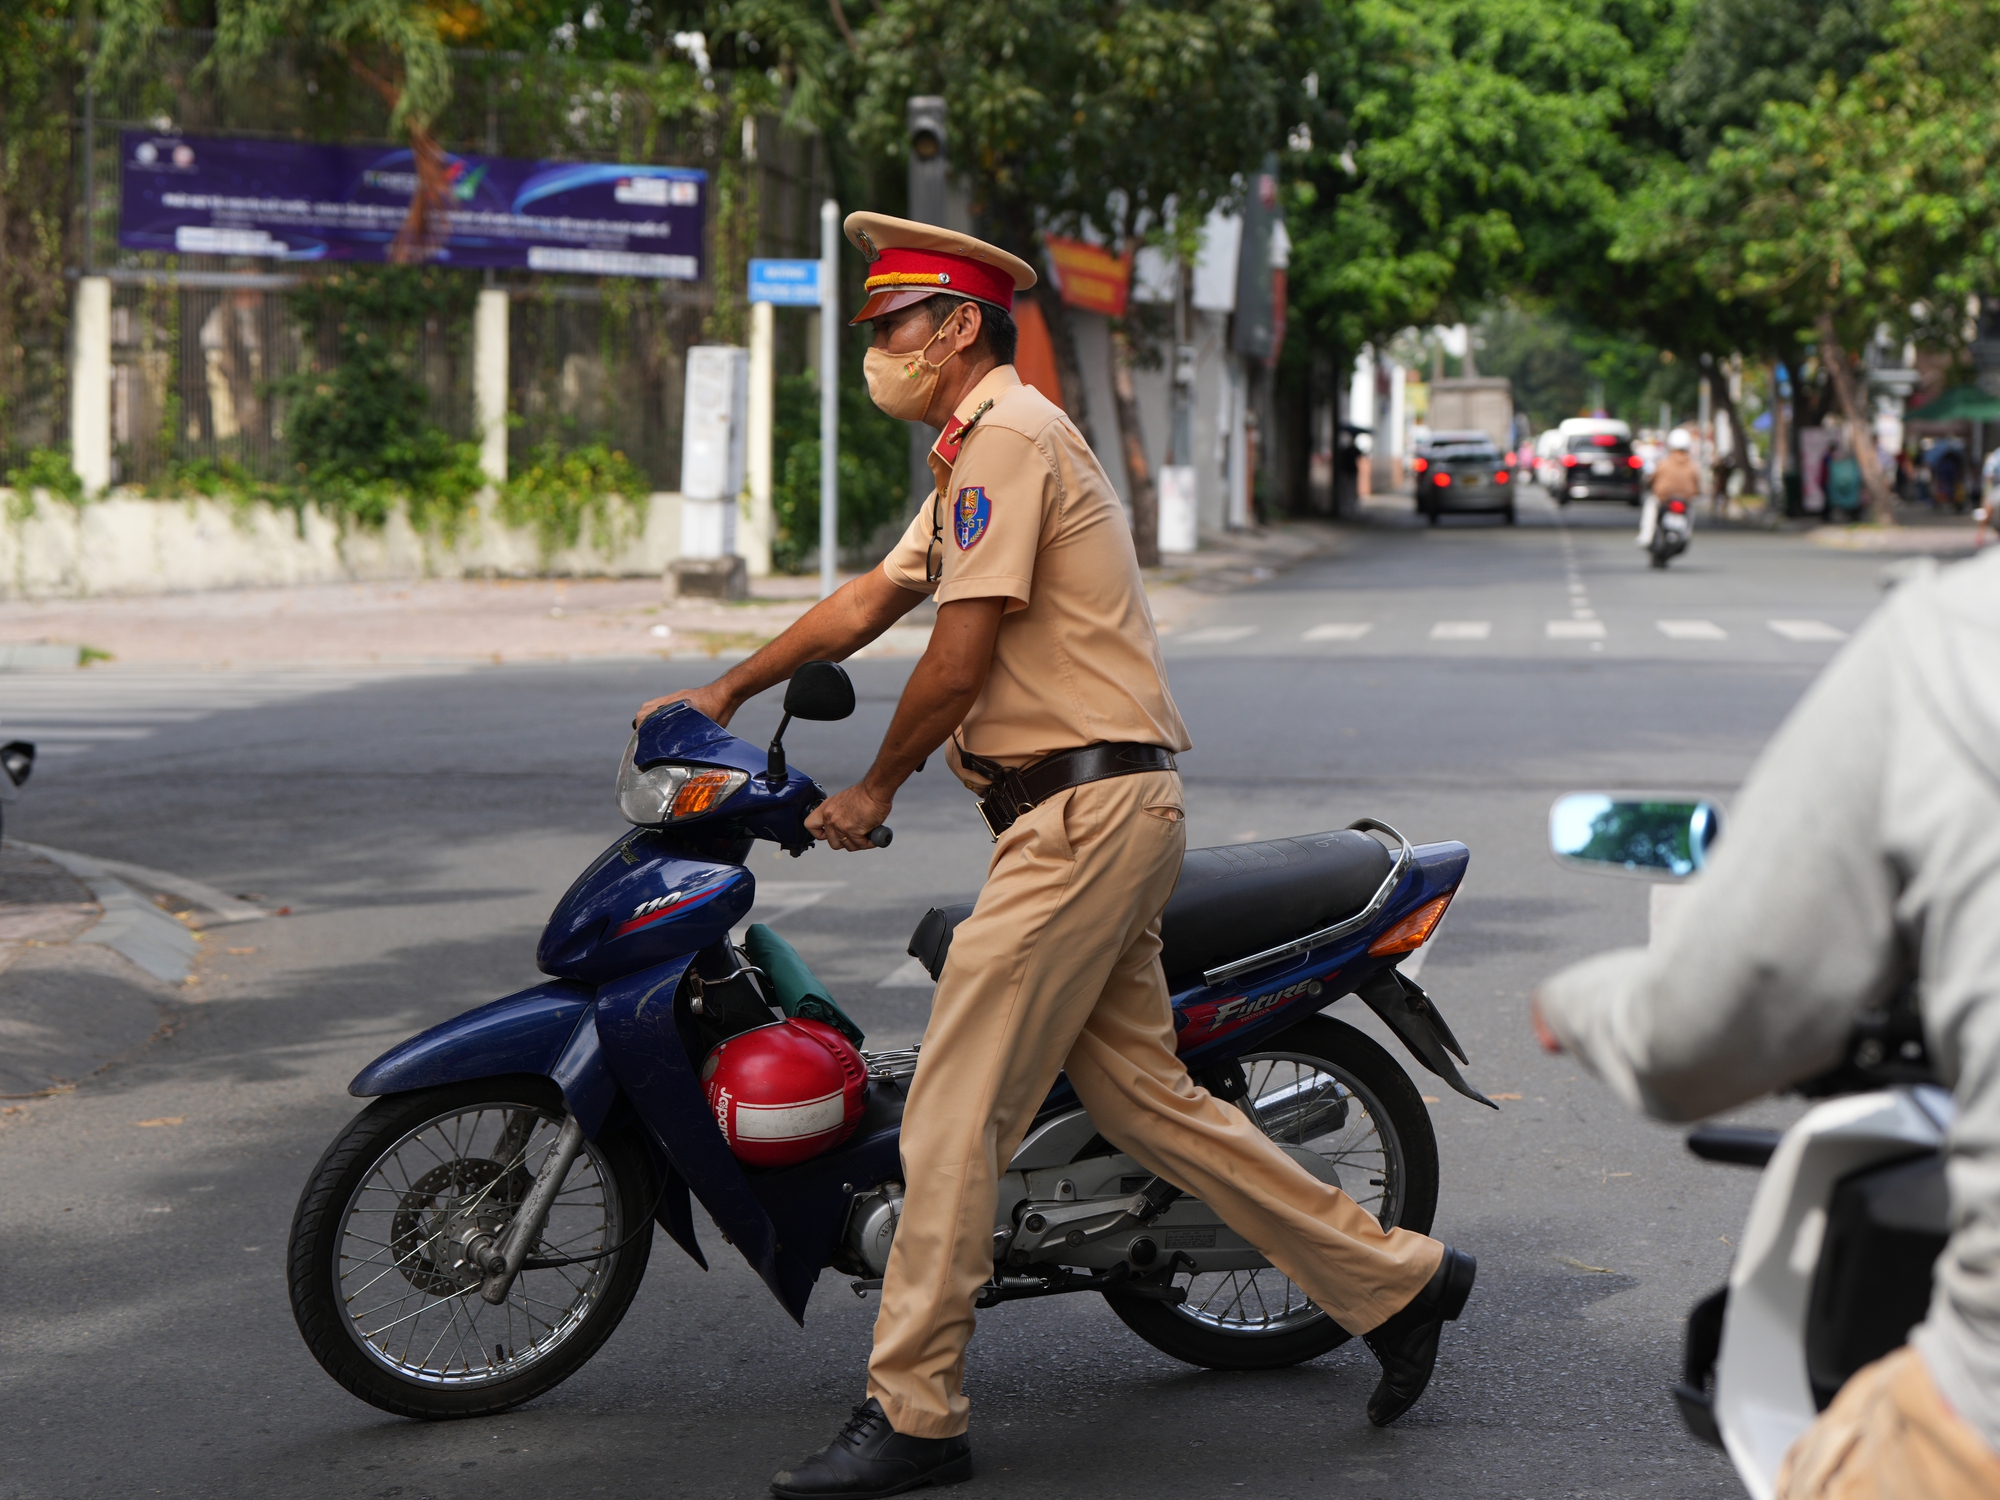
{"type": "Point", "coordinates": [17, 759]}
{"type": "Point", "coordinates": [1649, 836]}
{"type": "Point", "coordinates": [819, 690]}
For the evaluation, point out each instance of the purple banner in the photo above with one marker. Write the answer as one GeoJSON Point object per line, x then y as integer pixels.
{"type": "Point", "coordinates": [288, 201]}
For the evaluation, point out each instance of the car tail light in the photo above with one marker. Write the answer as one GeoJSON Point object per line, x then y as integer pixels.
{"type": "Point", "coordinates": [1420, 464]}
{"type": "Point", "coordinates": [1678, 507]}
{"type": "Point", "coordinates": [1500, 476]}
{"type": "Point", "coordinates": [1569, 460]}
{"type": "Point", "coordinates": [1635, 462]}
{"type": "Point", "coordinates": [1443, 481]}
{"type": "Point", "coordinates": [1414, 930]}
{"type": "Point", "coordinates": [1605, 440]}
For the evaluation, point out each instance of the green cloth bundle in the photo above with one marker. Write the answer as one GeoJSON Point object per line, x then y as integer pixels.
{"type": "Point", "coordinates": [800, 993]}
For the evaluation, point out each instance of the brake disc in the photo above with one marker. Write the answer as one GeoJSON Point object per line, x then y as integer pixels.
{"type": "Point", "coordinates": [422, 1239]}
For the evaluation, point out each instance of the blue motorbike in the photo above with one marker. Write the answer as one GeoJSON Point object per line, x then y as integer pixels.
{"type": "Point", "coordinates": [478, 1230]}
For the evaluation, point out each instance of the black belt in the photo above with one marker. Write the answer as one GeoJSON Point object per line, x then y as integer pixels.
{"type": "Point", "coordinates": [1011, 793]}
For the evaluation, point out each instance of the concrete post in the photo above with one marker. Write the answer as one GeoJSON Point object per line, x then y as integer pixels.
{"type": "Point", "coordinates": [90, 385]}
{"type": "Point", "coordinates": [755, 543]}
{"type": "Point", "coordinates": [489, 382]}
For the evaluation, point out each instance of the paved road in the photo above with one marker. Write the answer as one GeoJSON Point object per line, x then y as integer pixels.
{"type": "Point", "coordinates": [420, 825]}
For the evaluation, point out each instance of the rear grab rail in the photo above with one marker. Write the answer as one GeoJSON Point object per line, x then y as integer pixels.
{"type": "Point", "coordinates": [1340, 929]}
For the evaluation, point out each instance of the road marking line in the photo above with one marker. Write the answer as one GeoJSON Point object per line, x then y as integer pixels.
{"type": "Point", "coordinates": [1337, 632]}
{"type": "Point", "coordinates": [1691, 630]}
{"type": "Point", "coordinates": [1806, 630]}
{"type": "Point", "coordinates": [1461, 630]}
{"type": "Point", "coordinates": [1576, 630]}
{"type": "Point", "coordinates": [1216, 635]}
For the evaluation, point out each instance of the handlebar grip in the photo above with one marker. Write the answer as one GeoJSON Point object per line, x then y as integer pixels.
{"type": "Point", "coordinates": [882, 836]}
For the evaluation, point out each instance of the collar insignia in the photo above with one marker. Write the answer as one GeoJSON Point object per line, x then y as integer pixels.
{"type": "Point", "coordinates": [953, 437]}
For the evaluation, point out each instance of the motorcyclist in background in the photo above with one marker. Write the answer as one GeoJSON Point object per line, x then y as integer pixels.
{"type": "Point", "coordinates": [1864, 853]}
{"type": "Point", "coordinates": [1675, 478]}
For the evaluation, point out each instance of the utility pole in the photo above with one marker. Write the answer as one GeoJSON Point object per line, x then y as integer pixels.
{"type": "Point", "coordinates": [829, 397]}
{"type": "Point", "coordinates": [924, 117]}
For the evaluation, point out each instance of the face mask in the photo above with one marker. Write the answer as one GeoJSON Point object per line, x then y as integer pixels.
{"type": "Point", "coordinates": [903, 384]}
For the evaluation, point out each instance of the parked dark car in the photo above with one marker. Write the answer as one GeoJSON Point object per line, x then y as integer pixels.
{"type": "Point", "coordinates": [1600, 466]}
{"type": "Point", "coordinates": [1462, 471]}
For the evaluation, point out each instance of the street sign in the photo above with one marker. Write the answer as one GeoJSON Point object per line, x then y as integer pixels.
{"type": "Point", "coordinates": [785, 283]}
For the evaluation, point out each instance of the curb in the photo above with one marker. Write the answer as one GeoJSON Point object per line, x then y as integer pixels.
{"type": "Point", "coordinates": [133, 926]}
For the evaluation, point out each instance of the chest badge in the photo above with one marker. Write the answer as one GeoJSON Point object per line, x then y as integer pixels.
{"type": "Point", "coordinates": [974, 510]}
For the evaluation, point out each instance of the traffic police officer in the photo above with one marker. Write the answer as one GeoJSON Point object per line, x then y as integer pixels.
{"type": "Point", "coordinates": [1044, 683]}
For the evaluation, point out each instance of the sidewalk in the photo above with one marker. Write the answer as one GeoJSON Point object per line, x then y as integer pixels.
{"type": "Point", "coordinates": [511, 620]}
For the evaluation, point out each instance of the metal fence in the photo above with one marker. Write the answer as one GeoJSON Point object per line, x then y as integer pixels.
{"type": "Point", "coordinates": [203, 346]}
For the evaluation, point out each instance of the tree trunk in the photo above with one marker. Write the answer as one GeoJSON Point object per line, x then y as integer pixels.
{"type": "Point", "coordinates": [1739, 448]}
{"type": "Point", "coordinates": [425, 227]}
{"type": "Point", "coordinates": [1132, 441]}
{"type": "Point", "coordinates": [1860, 431]}
{"type": "Point", "coordinates": [1069, 370]}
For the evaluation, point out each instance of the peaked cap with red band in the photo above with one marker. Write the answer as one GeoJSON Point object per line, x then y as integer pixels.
{"type": "Point", "coordinates": [908, 262]}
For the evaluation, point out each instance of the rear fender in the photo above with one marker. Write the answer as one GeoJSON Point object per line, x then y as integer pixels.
{"type": "Point", "coordinates": [1406, 1010]}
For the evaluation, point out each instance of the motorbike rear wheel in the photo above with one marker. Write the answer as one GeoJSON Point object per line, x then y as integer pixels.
{"type": "Point", "coordinates": [1384, 1152]}
{"type": "Point", "coordinates": [380, 1288]}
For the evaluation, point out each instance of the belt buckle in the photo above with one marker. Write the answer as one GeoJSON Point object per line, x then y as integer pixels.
{"type": "Point", "coordinates": [986, 813]}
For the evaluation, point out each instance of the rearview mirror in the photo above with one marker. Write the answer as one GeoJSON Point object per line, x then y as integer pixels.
{"type": "Point", "coordinates": [1662, 835]}
{"type": "Point", "coordinates": [819, 690]}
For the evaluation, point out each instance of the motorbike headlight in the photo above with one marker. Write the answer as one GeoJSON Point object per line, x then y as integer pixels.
{"type": "Point", "coordinates": [674, 792]}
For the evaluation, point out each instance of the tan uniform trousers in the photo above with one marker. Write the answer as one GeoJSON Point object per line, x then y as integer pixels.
{"type": "Point", "coordinates": [1889, 1435]}
{"type": "Point", "coordinates": [1059, 969]}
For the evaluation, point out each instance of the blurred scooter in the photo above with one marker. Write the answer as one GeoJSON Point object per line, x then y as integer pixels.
{"type": "Point", "coordinates": [1833, 1268]}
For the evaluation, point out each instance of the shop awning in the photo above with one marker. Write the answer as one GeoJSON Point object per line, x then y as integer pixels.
{"type": "Point", "coordinates": [1962, 403]}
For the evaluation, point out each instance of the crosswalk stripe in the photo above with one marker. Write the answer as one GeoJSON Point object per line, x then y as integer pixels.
{"type": "Point", "coordinates": [1806, 630]}
{"type": "Point", "coordinates": [1216, 635]}
{"type": "Point", "coordinates": [1461, 630]}
{"type": "Point", "coordinates": [1338, 632]}
{"type": "Point", "coordinates": [1691, 630]}
{"type": "Point", "coordinates": [1576, 630]}
{"type": "Point", "coordinates": [73, 713]}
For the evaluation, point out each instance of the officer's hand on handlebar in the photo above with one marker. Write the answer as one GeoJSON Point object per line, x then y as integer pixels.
{"type": "Point", "coordinates": [710, 700]}
{"type": "Point", "coordinates": [847, 819]}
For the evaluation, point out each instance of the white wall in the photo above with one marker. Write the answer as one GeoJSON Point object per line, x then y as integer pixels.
{"type": "Point", "coordinates": [128, 546]}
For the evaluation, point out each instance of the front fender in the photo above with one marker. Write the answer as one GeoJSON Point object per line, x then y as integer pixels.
{"type": "Point", "coordinates": [529, 1032]}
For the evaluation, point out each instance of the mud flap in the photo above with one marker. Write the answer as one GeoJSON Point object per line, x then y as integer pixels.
{"type": "Point", "coordinates": [1406, 1010]}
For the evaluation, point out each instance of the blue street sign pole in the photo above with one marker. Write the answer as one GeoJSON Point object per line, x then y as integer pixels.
{"type": "Point", "coordinates": [811, 283]}
{"type": "Point", "coordinates": [829, 397]}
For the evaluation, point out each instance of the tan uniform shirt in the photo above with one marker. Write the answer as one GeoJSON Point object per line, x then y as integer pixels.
{"type": "Point", "coordinates": [1026, 513]}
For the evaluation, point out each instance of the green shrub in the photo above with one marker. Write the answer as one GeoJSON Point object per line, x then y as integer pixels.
{"type": "Point", "coordinates": [359, 433]}
{"type": "Point", "coordinates": [44, 469]}
{"type": "Point", "coordinates": [874, 474]}
{"type": "Point", "coordinates": [559, 491]}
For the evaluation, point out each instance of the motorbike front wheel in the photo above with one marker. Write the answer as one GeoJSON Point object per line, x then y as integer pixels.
{"type": "Point", "coordinates": [380, 1286]}
{"type": "Point", "coordinates": [1327, 1087]}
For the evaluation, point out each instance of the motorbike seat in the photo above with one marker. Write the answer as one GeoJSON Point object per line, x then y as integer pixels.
{"type": "Point", "coordinates": [1231, 901]}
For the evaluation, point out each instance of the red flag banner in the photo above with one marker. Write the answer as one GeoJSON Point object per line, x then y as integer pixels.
{"type": "Point", "coordinates": [1092, 278]}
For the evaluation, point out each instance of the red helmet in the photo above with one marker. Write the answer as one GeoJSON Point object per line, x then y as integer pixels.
{"type": "Point", "coordinates": [784, 1093]}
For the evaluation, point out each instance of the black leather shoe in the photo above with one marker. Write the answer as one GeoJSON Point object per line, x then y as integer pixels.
{"type": "Point", "coordinates": [1407, 1344]}
{"type": "Point", "coordinates": [869, 1458]}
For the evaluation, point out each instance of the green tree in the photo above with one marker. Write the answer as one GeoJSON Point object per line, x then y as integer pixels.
{"type": "Point", "coordinates": [1861, 206]}
{"type": "Point", "coordinates": [1134, 117]}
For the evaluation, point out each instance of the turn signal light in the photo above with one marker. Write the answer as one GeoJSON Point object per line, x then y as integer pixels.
{"type": "Point", "coordinates": [1413, 931]}
{"type": "Point", "coordinates": [703, 790]}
